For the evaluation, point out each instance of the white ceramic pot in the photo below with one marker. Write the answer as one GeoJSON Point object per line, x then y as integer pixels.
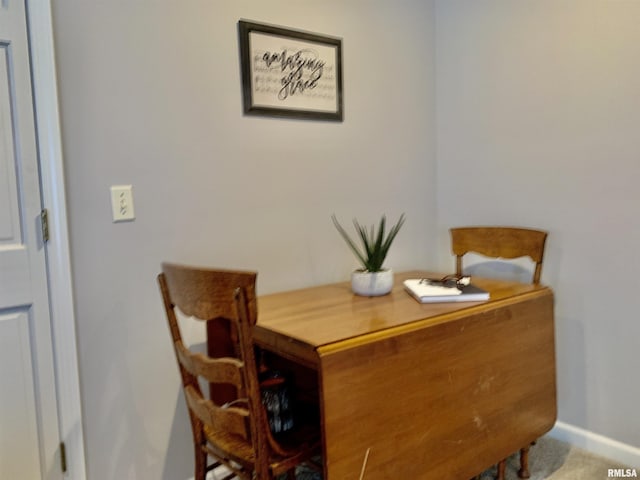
{"type": "Point", "coordinates": [372, 284]}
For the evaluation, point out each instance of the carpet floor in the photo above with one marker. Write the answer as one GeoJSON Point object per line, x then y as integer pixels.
{"type": "Point", "coordinates": [549, 459]}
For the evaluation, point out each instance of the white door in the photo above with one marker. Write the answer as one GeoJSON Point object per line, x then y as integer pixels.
{"type": "Point", "coordinates": [29, 435]}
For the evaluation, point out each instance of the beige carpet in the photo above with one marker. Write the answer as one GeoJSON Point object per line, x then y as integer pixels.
{"type": "Point", "coordinates": [554, 460]}
{"type": "Point", "coordinates": [549, 459]}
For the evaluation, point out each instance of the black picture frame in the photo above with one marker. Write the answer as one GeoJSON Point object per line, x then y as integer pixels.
{"type": "Point", "coordinates": [290, 73]}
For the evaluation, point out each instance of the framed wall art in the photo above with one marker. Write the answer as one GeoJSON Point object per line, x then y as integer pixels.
{"type": "Point", "coordinates": [290, 73]}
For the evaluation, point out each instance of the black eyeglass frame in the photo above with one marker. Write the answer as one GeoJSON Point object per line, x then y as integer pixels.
{"type": "Point", "coordinates": [449, 281]}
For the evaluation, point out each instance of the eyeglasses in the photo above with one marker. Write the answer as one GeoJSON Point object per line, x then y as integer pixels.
{"type": "Point", "coordinates": [449, 281]}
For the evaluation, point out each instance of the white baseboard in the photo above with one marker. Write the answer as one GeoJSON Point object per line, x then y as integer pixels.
{"type": "Point", "coordinates": [596, 444]}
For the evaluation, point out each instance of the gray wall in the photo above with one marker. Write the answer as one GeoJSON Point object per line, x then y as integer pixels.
{"type": "Point", "coordinates": [538, 121]}
{"type": "Point", "coordinates": [150, 95]}
{"type": "Point", "coordinates": [537, 117]}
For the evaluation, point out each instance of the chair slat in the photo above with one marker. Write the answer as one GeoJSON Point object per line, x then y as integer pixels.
{"type": "Point", "coordinates": [207, 294]}
{"type": "Point", "coordinates": [505, 242]}
{"type": "Point", "coordinates": [214, 370]}
{"type": "Point", "coordinates": [231, 420]}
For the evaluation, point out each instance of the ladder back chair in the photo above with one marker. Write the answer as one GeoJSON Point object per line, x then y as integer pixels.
{"type": "Point", "coordinates": [507, 243]}
{"type": "Point", "coordinates": [234, 434]}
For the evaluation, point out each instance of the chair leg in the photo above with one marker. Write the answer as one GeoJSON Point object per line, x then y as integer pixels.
{"type": "Point", "coordinates": [524, 463]}
{"type": "Point", "coordinates": [200, 464]}
{"type": "Point", "coordinates": [501, 468]}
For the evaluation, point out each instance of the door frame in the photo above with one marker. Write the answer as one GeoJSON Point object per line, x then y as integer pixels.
{"type": "Point", "coordinates": [45, 97]}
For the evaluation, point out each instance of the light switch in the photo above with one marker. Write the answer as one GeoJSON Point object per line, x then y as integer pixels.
{"type": "Point", "coordinates": [122, 203]}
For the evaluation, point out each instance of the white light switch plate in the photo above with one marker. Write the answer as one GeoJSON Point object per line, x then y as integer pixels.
{"type": "Point", "coordinates": [122, 203]}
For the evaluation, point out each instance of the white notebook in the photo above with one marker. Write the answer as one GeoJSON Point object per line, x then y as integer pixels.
{"type": "Point", "coordinates": [425, 292]}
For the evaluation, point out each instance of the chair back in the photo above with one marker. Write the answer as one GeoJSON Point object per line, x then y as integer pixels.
{"type": "Point", "coordinates": [499, 242]}
{"type": "Point", "coordinates": [234, 432]}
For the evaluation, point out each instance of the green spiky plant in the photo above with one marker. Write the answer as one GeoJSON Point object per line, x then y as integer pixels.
{"type": "Point", "coordinates": [375, 245]}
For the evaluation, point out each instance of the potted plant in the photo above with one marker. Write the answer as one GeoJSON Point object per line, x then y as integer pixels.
{"type": "Point", "coordinates": [372, 279]}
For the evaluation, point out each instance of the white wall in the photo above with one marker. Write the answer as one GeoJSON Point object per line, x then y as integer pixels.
{"type": "Point", "coordinates": [538, 116]}
{"type": "Point", "coordinates": [150, 95]}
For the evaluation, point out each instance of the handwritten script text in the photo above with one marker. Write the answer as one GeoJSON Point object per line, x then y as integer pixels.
{"type": "Point", "coordinates": [301, 70]}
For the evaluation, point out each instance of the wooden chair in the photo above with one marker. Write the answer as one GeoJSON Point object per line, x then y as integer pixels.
{"type": "Point", "coordinates": [499, 242]}
{"type": "Point", "coordinates": [507, 243]}
{"type": "Point", "coordinates": [234, 433]}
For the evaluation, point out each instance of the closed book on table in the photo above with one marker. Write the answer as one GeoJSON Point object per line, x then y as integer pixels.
{"type": "Point", "coordinates": [425, 290]}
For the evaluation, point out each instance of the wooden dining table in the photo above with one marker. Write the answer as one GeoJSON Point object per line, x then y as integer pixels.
{"type": "Point", "coordinates": [419, 391]}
